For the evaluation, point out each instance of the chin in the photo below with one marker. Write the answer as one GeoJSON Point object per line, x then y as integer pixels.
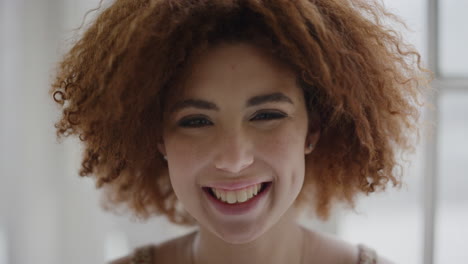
{"type": "Point", "coordinates": [239, 234]}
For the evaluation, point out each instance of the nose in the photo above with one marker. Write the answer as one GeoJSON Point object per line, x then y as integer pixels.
{"type": "Point", "coordinates": [233, 153]}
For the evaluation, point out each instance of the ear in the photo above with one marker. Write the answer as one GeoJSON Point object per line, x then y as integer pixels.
{"type": "Point", "coordinates": [311, 141]}
{"type": "Point", "coordinates": [162, 147]}
{"type": "Point", "coordinates": [313, 133]}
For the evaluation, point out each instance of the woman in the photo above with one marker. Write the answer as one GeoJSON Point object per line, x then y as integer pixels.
{"type": "Point", "coordinates": [236, 115]}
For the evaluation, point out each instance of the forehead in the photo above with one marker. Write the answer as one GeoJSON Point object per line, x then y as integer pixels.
{"type": "Point", "coordinates": [239, 68]}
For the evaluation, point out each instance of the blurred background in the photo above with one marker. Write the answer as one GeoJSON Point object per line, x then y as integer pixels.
{"type": "Point", "coordinates": [48, 214]}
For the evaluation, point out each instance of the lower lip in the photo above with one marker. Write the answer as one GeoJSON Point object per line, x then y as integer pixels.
{"type": "Point", "coordinates": [238, 208]}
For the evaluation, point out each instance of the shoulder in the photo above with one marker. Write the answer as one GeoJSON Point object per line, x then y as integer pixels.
{"type": "Point", "coordinates": [165, 252]}
{"type": "Point", "coordinates": [141, 255]}
{"type": "Point", "coordinates": [368, 255]}
{"type": "Point", "coordinates": [122, 260]}
{"type": "Point", "coordinates": [332, 249]}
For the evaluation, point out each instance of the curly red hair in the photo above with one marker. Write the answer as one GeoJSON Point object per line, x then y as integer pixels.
{"type": "Point", "coordinates": [358, 76]}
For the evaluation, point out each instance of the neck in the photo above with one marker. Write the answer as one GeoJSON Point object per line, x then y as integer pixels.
{"type": "Point", "coordinates": [282, 243]}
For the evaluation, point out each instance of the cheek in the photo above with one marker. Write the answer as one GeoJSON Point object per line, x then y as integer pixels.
{"type": "Point", "coordinates": [182, 164]}
{"type": "Point", "coordinates": [283, 151]}
{"type": "Point", "coordinates": [282, 144]}
{"type": "Point", "coordinates": [184, 152]}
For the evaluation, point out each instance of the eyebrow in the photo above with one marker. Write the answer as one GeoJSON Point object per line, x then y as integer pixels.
{"type": "Point", "coordinates": [254, 101]}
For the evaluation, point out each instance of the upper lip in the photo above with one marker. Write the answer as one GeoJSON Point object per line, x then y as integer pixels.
{"type": "Point", "coordinates": [234, 185]}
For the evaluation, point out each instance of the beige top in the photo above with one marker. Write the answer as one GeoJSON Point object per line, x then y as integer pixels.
{"type": "Point", "coordinates": [143, 255]}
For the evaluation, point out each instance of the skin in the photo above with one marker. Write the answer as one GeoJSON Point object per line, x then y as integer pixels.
{"type": "Point", "coordinates": [233, 142]}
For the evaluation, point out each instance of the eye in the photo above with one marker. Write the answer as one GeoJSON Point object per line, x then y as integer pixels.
{"type": "Point", "coordinates": [265, 116]}
{"type": "Point", "coordinates": [194, 122]}
{"type": "Point", "coordinates": [200, 121]}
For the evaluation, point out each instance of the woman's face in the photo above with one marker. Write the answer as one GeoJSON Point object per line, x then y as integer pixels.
{"type": "Point", "coordinates": [241, 120]}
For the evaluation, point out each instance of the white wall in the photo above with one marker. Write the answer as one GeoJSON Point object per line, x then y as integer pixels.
{"type": "Point", "coordinates": [48, 214]}
{"type": "Point", "coordinates": [30, 160]}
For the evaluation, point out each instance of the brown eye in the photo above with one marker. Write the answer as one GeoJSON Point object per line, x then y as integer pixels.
{"type": "Point", "coordinates": [265, 116]}
{"type": "Point", "coordinates": [200, 121]}
{"type": "Point", "coordinates": [194, 122]}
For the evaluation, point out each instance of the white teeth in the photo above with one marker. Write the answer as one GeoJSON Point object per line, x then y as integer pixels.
{"type": "Point", "coordinates": [249, 192]}
{"type": "Point", "coordinates": [222, 195]}
{"type": "Point", "coordinates": [241, 196]}
{"type": "Point", "coordinates": [238, 196]}
{"type": "Point", "coordinates": [231, 197]}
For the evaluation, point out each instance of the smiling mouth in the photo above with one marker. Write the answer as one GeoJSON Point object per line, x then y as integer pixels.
{"type": "Point", "coordinates": [250, 194]}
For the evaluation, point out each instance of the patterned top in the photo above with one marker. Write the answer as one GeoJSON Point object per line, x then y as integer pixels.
{"type": "Point", "coordinates": [143, 255]}
{"type": "Point", "coordinates": [366, 255]}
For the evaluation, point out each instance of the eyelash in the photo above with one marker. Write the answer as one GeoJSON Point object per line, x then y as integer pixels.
{"type": "Point", "coordinates": [188, 122]}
